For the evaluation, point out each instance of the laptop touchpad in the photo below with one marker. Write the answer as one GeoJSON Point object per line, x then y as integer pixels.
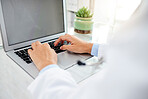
{"type": "Point", "coordinates": [67, 59]}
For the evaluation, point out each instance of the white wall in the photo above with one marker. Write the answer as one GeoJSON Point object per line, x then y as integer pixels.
{"type": "Point", "coordinates": [107, 10]}
{"type": "Point", "coordinates": [74, 5]}
{"type": "Point", "coordinates": [104, 11]}
{"type": "Point", "coordinates": [82, 3]}
{"type": "Point", "coordinates": [125, 8]}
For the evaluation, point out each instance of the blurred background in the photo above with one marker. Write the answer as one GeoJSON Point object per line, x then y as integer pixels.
{"type": "Point", "coordinates": [108, 15]}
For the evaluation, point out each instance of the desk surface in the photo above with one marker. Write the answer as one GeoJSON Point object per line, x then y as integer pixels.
{"type": "Point", "coordinates": [14, 81]}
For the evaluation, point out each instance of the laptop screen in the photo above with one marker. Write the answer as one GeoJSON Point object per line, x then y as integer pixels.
{"type": "Point", "coordinates": [27, 20]}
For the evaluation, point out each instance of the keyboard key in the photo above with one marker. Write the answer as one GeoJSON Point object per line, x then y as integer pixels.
{"type": "Point", "coordinates": [26, 50]}
{"type": "Point", "coordinates": [28, 62]}
{"type": "Point", "coordinates": [51, 44]}
{"type": "Point", "coordinates": [59, 51]}
{"type": "Point", "coordinates": [22, 51]}
{"type": "Point", "coordinates": [23, 54]}
{"type": "Point", "coordinates": [18, 53]}
{"type": "Point", "coordinates": [27, 59]}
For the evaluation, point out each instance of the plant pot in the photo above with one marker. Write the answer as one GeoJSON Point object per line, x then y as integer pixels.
{"type": "Point", "coordinates": [83, 25]}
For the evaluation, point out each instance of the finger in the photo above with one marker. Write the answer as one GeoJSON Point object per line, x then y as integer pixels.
{"type": "Point", "coordinates": [62, 38]}
{"type": "Point", "coordinates": [38, 43]}
{"type": "Point", "coordinates": [62, 42]}
{"type": "Point", "coordinates": [58, 41]}
{"type": "Point", "coordinates": [46, 45]}
{"type": "Point", "coordinates": [53, 50]}
{"type": "Point", "coordinates": [33, 45]}
{"type": "Point", "coordinates": [67, 47]}
{"type": "Point", "coordinates": [30, 51]}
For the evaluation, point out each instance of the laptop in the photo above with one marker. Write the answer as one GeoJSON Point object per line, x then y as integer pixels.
{"type": "Point", "coordinates": [26, 21]}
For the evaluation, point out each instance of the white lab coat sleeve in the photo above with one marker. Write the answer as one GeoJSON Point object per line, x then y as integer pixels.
{"type": "Point", "coordinates": [98, 50]}
{"type": "Point", "coordinates": [102, 51]}
{"type": "Point", "coordinates": [53, 83]}
{"type": "Point", "coordinates": [56, 83]}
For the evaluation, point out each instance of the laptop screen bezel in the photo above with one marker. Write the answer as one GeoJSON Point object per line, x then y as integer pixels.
{"type": "Point", "coordinates": [8, 47]}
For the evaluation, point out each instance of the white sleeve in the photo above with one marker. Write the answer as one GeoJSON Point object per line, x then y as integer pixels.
{"type": "Point", "coordinates": [54, 83]}
{"type": "Point", "coordinates": [102, 51]}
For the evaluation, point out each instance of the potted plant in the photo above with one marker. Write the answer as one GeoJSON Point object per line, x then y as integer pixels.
{"type": "Point", "coordinates": [83, 22]}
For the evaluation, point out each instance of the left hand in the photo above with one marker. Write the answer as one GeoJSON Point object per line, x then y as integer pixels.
{"type": "Point", "coordinates": [42, 55]}
{"type": "Point", "coordinates": [77, 45]}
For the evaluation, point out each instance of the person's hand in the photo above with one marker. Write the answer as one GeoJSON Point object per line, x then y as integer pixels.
{"type": "Point", "coordinates": [76, 45]}
{"type": "Point", "coordinates": [42, 55]}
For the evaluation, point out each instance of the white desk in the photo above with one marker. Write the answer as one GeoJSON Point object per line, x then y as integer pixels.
{"type": "Point", "coordinates": [14, 81]}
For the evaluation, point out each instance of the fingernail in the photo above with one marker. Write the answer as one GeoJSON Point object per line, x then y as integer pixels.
{"type": "Point", "coordinates": [61, 47]}
{"type": "Point", "coordinates": [54, 43]}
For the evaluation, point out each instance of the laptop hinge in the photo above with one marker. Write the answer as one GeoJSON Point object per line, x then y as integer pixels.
{"type": "Point", "coordinates": [30, 45]}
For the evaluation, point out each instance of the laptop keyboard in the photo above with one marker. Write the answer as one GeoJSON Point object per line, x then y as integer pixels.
{"type": "Point", "coordinates": [23, 54]}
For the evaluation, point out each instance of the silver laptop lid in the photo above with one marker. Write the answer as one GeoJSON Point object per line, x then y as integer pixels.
{"type": "Point", "coordinates": [26, 21]}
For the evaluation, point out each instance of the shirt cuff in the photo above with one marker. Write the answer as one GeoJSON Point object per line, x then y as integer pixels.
{"type": "Point", "coordinates": [94, 50]}
{"type": "Point", "coordinates": [48, 67]}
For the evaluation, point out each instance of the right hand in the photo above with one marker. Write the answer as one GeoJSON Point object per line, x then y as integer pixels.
{"type": "Point", "coordinates": [42, 55]}
{"type": "Point", "coordinates": [77, 45]}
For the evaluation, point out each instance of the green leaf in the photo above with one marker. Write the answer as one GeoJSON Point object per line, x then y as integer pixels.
{"type": "Point", "coordinates": [88, 11]}
{"type": "Point", "coordinates": [84, 12]}
{"type": "Point", "coordinates": [91, 15]}
{"type": "Point", "coordinates": [85, 15]}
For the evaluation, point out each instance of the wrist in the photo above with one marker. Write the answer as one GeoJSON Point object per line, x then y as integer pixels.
{"type": "Point", "coordinates": [41, 66]}
{"type": "Point", "coordinates": [48, 67]}
{"type": "Point", "coordinates": [89, 47]}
